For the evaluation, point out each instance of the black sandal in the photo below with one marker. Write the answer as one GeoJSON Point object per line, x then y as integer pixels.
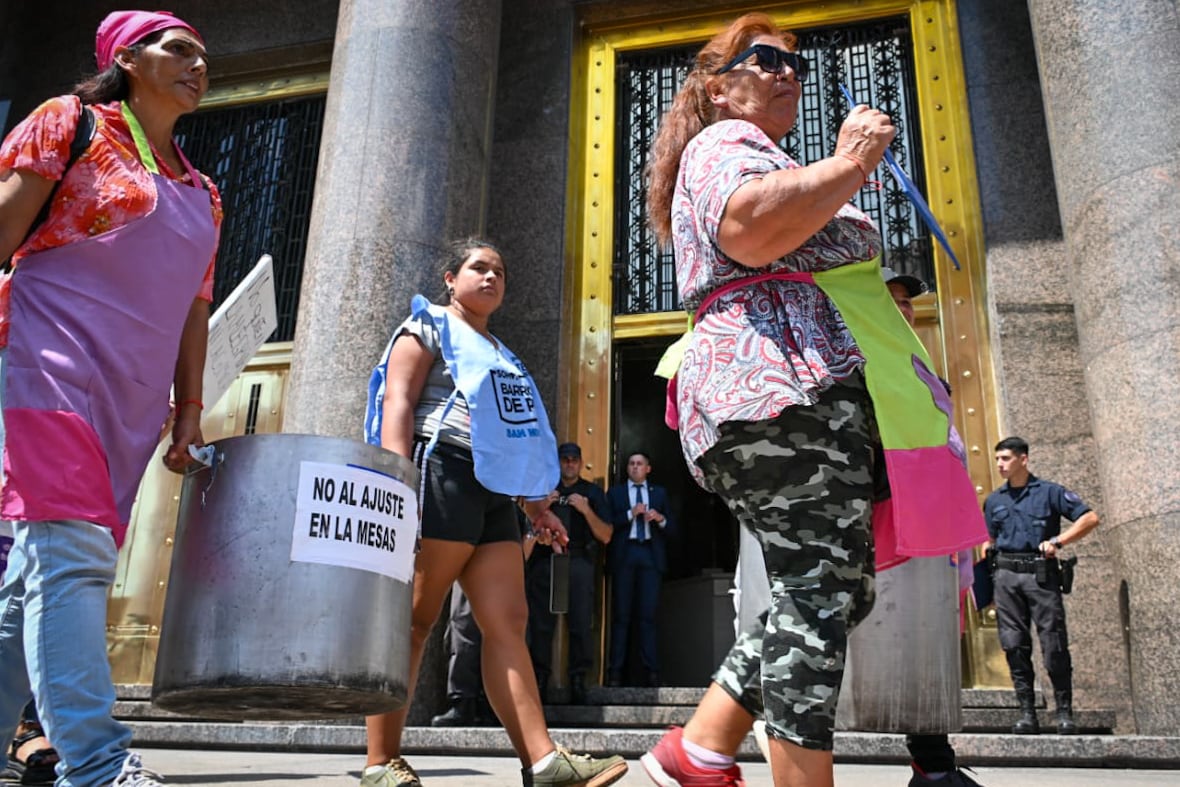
{"type": "Point", "coordinates": [38, 767]}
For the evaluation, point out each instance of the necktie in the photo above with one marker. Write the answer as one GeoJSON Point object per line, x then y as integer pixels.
{"type": "Point", "coordinates": [641, 531]}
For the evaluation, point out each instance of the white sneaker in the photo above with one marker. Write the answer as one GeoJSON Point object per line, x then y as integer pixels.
{"type": "Point", "coordinates": [135, 775]}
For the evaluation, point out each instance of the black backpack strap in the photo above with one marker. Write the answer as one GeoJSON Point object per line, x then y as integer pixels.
{"type": "Point", "coordinates": [83, 136]}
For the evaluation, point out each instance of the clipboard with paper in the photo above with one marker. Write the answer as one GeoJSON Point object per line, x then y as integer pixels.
{"type": "Point", "coordinates": [238, 328]}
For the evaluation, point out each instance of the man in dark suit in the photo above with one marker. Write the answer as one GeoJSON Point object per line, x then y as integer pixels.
{"type": "Point", "coordinates": [637, 562]}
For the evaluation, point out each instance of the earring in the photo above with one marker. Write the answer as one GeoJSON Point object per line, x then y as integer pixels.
{"type": "Point", "coordinates": [450, 292]}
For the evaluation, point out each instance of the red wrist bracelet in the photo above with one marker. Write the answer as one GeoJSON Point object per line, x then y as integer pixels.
{"type": "Point", "coordinates": [876, 184]}
{"type": "Point", "coordinates": [859, 166]}
{"type": "Point", "coordinates": [200, 405]}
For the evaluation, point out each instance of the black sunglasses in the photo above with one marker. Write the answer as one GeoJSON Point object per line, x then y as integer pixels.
{"type": "Point", "coordinates": [771, 59]}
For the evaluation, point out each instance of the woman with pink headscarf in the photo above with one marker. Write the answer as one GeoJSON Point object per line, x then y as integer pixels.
{"type": "Point", "coordinates": [112, 235]}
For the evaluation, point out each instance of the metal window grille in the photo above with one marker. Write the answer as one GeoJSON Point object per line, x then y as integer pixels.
{"type": "Point", "coordinates": [874, 60]}
{"type": "Point", "coordinates": [263, 158]}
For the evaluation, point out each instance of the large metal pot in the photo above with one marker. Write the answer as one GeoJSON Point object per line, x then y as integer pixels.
{"type": "Point", "coordinates": [271, 612]}
{"type": "Point", "coordinates": [903, 671]}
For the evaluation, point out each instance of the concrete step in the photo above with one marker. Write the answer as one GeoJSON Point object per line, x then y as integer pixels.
{"type": "Point", "coordinates": [1000, 720]}
{"type": "Point", "coordinates": [665, 695]}
{"type": "Point", "coordinates": [992, 720]}
{"type": "Point", "coordinates": [985, 710]}
{"type": "Point", "coordinates": [1044, 750]}
{"type": "Point", "coordinates": [669, 695]}
{"type": "Point", "coordinates": [996, 698]}
{"type": "Point", "coordinates": [974, 719]}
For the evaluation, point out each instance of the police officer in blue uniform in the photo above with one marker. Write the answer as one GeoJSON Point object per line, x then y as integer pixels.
{"type": "Point", "coordinates": [581, 506]}
{"type": "Point", "coordinates": [1024, 524]}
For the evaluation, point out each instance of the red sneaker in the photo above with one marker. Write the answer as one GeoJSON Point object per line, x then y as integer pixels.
{"type": "Point", "coordinates": [668, 766]}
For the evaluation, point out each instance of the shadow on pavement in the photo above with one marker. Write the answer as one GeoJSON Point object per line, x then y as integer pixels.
{"type": "Point", "coordinates": [245, 778]}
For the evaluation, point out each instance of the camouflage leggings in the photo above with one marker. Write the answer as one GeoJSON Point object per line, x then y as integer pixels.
{"type": "Point", "coordinates": [803, 484]}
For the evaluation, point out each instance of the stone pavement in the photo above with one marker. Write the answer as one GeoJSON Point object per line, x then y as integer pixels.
{"type": "Point", "coordinates": [200, 768]}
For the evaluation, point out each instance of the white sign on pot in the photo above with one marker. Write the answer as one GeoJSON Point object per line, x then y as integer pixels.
{"type": "Point", "coordinates": [352, 516]}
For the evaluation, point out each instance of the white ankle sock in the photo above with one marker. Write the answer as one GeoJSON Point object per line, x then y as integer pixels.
{"type": "Point", "coordinates": [544, 762]}
{"type": "Point", "coordinates": [373, 769]}
{"type": "Point", "coordinates": [706, 758]}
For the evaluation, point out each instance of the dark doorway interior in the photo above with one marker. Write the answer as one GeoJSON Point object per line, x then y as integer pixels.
{"type": "Point", "coordinates": [706, 533]}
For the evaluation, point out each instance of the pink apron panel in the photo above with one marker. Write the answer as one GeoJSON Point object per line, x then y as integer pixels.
{"type": "Point", "coordinates": [933, 503]}
{"type": "Point", "coordinates": [95, 334]}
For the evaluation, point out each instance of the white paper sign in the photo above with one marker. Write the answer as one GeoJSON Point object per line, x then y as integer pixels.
{"type": "Point", "coordinates": [238, 328]}
{"type": "Point", "coordinates": [351, 516]}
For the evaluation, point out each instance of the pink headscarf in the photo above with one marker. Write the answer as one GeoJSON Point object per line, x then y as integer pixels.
{"type": "Point", "coordinates": [124, 28]}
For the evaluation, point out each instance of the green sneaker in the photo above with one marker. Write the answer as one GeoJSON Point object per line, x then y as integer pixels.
{"type": "Point", "coordinates": [395, 773]}
{"type": "Point", "coordinates": [576, 770]}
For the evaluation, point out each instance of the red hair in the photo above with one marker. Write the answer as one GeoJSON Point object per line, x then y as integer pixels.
{"type": "Point", "coordinates": [692, 111]}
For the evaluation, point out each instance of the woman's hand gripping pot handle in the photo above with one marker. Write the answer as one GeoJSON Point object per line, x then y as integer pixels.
{"type": "Point", "coordinates": [545, 521]}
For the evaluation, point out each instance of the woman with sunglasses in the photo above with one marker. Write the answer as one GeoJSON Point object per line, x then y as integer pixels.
{"type": "Point", "coordinates": [106, 308]}
{"type": "Point", "coordinates": [449, 394]}
{"type": "Point", "coordinates": [773, 410]}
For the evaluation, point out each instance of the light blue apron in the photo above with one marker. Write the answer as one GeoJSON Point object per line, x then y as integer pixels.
{"type": "Point", "coordinates": [513, 447]}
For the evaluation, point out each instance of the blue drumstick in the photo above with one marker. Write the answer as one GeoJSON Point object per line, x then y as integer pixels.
{"type": "Point", "coordinates": [911, 192]}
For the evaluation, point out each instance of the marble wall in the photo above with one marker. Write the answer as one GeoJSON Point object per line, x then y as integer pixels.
{"type": "Point", "coordinates": [528, 184]}
{"type": "Point", "coordinates": [1114, 143]}
{"type": "Point", "coordinates": [1031, 306]}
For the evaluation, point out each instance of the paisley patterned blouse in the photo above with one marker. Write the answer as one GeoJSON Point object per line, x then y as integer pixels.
{"type": "Point", "coordinates": [772, 345]}
{"type": "Point", "coordinates": [107, 187]}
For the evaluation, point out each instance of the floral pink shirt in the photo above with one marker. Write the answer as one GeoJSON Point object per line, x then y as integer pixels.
{"type": "Point", "coordinates": [107, 187]}
{"type": "Point", "coordinates": [772, 345]}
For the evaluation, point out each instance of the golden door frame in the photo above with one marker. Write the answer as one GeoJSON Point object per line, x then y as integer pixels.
{"type": "Point", "coordinates": [952, 321]}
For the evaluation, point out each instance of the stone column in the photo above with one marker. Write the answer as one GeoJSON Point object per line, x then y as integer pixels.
{"type": "Point", "coordinates": [1034, 339]}
{"type": "Point", "coordinates": [1110, 80]}
{"type": "Point", "coordinates": [403, 169]}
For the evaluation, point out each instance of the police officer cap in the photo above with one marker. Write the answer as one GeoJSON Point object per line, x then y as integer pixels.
{"type": "Point", "coordinates": [913, 285]}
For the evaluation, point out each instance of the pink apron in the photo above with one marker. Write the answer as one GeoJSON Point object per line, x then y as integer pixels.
{"type": "Point", "coordinates": [95, 334]}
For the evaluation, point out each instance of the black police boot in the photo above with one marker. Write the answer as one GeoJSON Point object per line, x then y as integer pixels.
{"type": "Point", "coordinates": [1027, 724]}
{"type": "Point", "coordinates": [1065, 723]}
{"type": "Point", "coordinates": [460, 714]}
{"type": "Point", "coordinates": [1020, 666]}
{"type": "Point", "coordinates": [577, 689]}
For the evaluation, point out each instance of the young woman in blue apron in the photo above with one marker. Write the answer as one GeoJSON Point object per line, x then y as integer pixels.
{"type": "Point", "coordinates": [98, 328]}
{"type": "Point", "coordinates": [449, 394]}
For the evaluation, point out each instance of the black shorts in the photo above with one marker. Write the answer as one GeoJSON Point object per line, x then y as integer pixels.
{"type": "Point", "coordinates": [457, 507]}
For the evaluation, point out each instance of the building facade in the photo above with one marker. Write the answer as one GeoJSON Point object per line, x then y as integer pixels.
{"type": "Point", "coordinates": [358, 136]}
